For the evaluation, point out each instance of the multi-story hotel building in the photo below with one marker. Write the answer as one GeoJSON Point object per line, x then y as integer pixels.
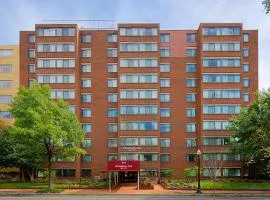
{"type": "Point", "coordinates": [9, 79]}
{"type": "Point", "coordinates": [142, 93]}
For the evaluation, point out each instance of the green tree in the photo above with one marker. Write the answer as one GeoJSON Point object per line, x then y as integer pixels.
{"type": "Point", "coordinates": [266, 4]}
{"type": "Point", "coordinates": [252, 134]}
{"type": "Point", "coordinates": [44, 127]}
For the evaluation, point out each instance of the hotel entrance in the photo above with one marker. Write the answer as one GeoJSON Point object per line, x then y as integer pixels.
{"type": "Point", "coordinates": [128, 177]}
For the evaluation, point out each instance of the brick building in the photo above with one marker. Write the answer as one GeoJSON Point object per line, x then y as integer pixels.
{"type": "Point", "coordinates": [142, 93]}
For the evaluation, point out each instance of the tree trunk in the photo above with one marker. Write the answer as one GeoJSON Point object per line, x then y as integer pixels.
{"type": "Point", "coordinates": [50, 174]}
{"type": "Point", "coordinates": [22, 179]}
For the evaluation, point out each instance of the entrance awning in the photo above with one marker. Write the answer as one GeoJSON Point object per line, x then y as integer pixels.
{"type": "Point", "coordinates": [123, 165]}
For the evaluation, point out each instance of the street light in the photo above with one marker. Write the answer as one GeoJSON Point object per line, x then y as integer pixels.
{"type": "Point", "coordinates": [199, 153]}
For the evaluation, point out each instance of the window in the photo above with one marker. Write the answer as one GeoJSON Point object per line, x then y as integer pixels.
{"type": "Point", "coordinates": [72, 108]}
{"type": "Point", "coordinates": [245, 82]}
{"type": "Point", "coordinates": [112, 156]}
{"type": "Point", "coordinates": [165, 127]}
{"type": "Point", "coordinates": [5, 83]}
{"type": "Point", "coordinates": [56, 63]}
{"type": "Point", "coordinates": [112, 143]}
{"type": "Point", "coordinates": [5, 68]}
{"type": "Point", "coordinates": [129, 141]}
{"type": "Point", "coordinates": [191, 97]}
{"type": "Point", "coordinates": [112, 127]}
{"type": "Point", "coordinates": [191, 112]}
{"type": "Point", "coordinates": [191, 142]}
{"type": "Point", "coordinates": [165, 112]}
{"type": "Point", "coordinates": [56, 31]}
{"type": "Point", "coordinates": [246, 97]}
{"type": "Point", "coordinates": [246, 37]}
{"type": "Point", "coordinates": [221, 46]}
{"type": "Point", "coordinates": [55, 47]}
{"type": "Point", "coordinates": [191, 37]}
{"type": "Point", "coordinates": [214, 141]}
{"type": "Point", "coordinates": [5, 99]}
{"type": "Point", "coordinates": [86, 98]}
{"type": "Point", "coordinates": [148, 141]}
{"type": "Point", "coordinates": [215, 125]}
{"type": "Point", "coordinates": [112, 52]}
{"type": "Point", "coordinates": [165, 82]}
{"type": "Point", "coordinates": [165, 97]}
{"type": "Point", "coordinates": [190, 82]}
{"type": "Point", "coordinates": [148, 157]}
{"type": "Point", "coordinates": [134, 47]}
{"type": "Point", "coordinates": [5, 115]}
{"type": "Point", "coordinates": [87, 128]}
{"type": "Point", "coordinates": [112, 98]}
{"type": "Point", "coordinates": [221, 109]}
{"type": "Point", "coordinates": [165, 67]}
{"type": "Point", "coordinates": [31, 68]}
{"type": "Point", "coordinates": [112, 68]}
{"type": "Point", "coordinates": [191, 128]}
{"type": "Point", "coordinates": [5, 53]}
{"type": "Point", "coordinates": [214, 31]}
{"type": "Point", "coordinates": [112, 83]}
{"type": "Point", "coordinates": [138, 31]}
{"type": "Point", "coordinates": [221, 78]}
{"type": "Point", "coordinates": [165, 157]}
{"type": "Point", "coordinates": [62, 94]}
{"type": "Point", "coordinates": [55, 78]}
{"type": "Point", "coordinates": [86, 172]}
{"type": "Point", "coordinates": [87, 158]}
{"type": "Point", "coordinates": [30, 82]}
{"type": "Point", "coordinates": [246, 67]}
{"type": "Point", "coordinates": [87, 143]}
{"type": "Point", "coordinates": [31, 38]}
{"type": "Point", "coordinates": [165, 52]}
{"type": "Point", "coordinates": [86, 53]}
{"type": "Point", "coordinates": [191, 52]}
{"type": "Point", "coordinates": [218, 94]}
{"type": "Point", "coordinates": [191, 157]}
{"type": "Point", "coordinates": [191, 67]}
{"type": "Point", "coordinates": [138, 78]}
{"type": "Point", "coordinates": [112, 112]}
{"type": "Point", "coordinates": [138, 62]}
{"type": "Point", "coordinates": [31, 53]}
{"type": "Point", "coordinates": [65, 172]}
{"type": "Point", "coordinates": [231, 172]}
{"type": "Point", "coordinates": [86, 112]}
{"type": "Point", "coordinates": [138, 126]}
{"type": "Point", "coordinates": [165, 37]}
{"type": "Point", "coordinates": [86, 67]}
{"type": "Point", "coordinates": [138, 110]}
{"type": "Point", "coordinates": [246, 52]}
{"type": "Point", "coordinates": [221, 62]}
{"type": "Point", "coordinates": [138, 94]}
{"type": "Point", "coordinates": [112, 38]}
{"type": "Point", "coordinates": [165, 142]}
{"type": "Point", "coordinates": [86, 83]}
{"type": "Point", "coordinates": [86, 38]}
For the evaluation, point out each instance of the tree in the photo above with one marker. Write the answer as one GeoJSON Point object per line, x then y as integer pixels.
{"type": "Point", "coordinates": [44, 127]}
{"type": "Point", "coordinates": [252, 134]}
{"type": "Point", "coordinates": [266, 4]}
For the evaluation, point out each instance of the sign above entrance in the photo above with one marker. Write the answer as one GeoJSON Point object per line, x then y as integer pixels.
{"type": "Point", "coordinates": [123, 165]}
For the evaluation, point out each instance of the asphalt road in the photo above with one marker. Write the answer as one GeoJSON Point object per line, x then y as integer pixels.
{"type": "Point", "coordinates": [132, 197]}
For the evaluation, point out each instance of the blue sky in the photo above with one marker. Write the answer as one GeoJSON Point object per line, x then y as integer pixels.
{"type": "Point", "coordinates": [19, 15]}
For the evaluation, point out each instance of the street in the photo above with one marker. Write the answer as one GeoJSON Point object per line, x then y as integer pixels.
{"type": "Point", "coordinates": [132, 197]}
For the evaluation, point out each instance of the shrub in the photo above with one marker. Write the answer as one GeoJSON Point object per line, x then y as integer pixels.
{"type": "Point", "coordinates": [190, 174]}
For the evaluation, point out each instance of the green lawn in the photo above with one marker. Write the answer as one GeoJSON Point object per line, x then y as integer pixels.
{"type": "Point", "coordinates": [23, 185]}
{"type": "Point", "coordinates": [206, 184]}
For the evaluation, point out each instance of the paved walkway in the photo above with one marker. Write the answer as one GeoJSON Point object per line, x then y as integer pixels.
{"type": "Point", "coordinates": [131, 189]}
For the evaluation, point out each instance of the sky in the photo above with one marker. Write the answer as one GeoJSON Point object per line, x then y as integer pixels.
{"type": "Point", "coordinates": [19, 15]}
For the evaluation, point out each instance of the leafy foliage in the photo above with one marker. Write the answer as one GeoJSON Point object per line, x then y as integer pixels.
{"type": "Point", "coordinates": [44, 129]}
{"type": "Point", "coordinates": [266, 4]}
{"type": "Point", "coordinates": [252, 134]}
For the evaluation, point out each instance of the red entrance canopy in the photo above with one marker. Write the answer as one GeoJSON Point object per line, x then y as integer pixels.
{"type": "Point", "coordinates": [123, 165]}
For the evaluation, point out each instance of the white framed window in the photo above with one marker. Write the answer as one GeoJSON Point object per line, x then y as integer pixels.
{"type": "Point", "coordinates": [86, 83]}
{"type": "Point", "coordinates": [112, 52]}
{"type": "Point", "coordinates": [31, 68]}
{"type": "Point", "coordinates": [165, 97]}
{"type": "Point", "coordinates": [246, 97]}
{"type": "Point", "coordinates": [86, 68]}
{"type": "Point", "coordinates": [112, 127]}
{"type": "Point", "coordinates": [112, 97]}
{"type": "Point", "coordinates": [112, 82]}
{"type": "Point", "coordinates": [245, 37]}
{"type": "Point", "coordinates": [5, 52]}
{"type": "Point", "coordinates": [5, 83]}
{"type": "Point", "coordinates": [112, 142]}
{"type": "Point", "coordinates": [246, 67]}
{"type": "Point", "coordinates": [165, 52]}
{"type": "Point", "coordinates": [191, 97]}
{"type": "Point", "coordinates": [31, 38]}
{"type": "Point", "coordinates": [86, 112]}
{"type": "Point", "coordinates": [191, 142]}
{"type": "Point", "coordinates": [164, 37]}
{"type": "Point", "coordinates": [86, 98]}
{"type": "Point", "coordinates": [5, 68]}
{"type": "Point", "coordinates": [245, 52]}
{"type": "Point", "coordinates": [112, 38]}
{"type": "Point", "coordinates": [165, 67]}
{"type": "Point", "coordinates": [112, 112]}
{"type": "Point", "coordinates": [86, 38]}
{"type": "Point", "coordinates": [86, 53]}
{"type": "Point", "coordinates": [191, 112]}
{"type": "Point", "coordinates": [191, 82]}
{"type": "Point", "coordinates": [165, 112]}
{"type": "Point", "coordinates": [112, 67]}
{"type": "Point", "coordinates": [31, 53]}
{"type": "Point", "coordinates": [191, 127]}
{"type": "Point", "coordinates": [246, 82]}
{"type": "Point", "coordinates": [165, 82]}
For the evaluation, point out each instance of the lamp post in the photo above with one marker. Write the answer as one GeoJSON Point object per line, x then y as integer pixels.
{"type": "Point", "coordinates": [199, 153]}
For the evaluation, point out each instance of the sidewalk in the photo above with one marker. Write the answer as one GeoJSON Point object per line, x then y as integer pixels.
{"type": "Point", "coordinates": [131, 189]}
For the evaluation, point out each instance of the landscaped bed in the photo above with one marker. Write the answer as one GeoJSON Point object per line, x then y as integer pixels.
{"type": "Point", "coordinates": [219, 185]}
